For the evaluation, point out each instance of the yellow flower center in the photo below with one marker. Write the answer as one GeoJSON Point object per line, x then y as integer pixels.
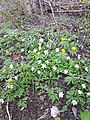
{"type": "Point", "coordinates": [63, 50]}
{"type": "Point", "coordinates": [10, 80]}
{"type": "Point", "coordinates": [85, 18]}
{"type": "Point", "coordinates": [38, 53]}
{"type": "Point", "coordinates": [4, 70]}
{"type": "Point", "coordinates": [17, 43]}
{"type": "Point", "coordinates": [22, 64]}
{"type": "Point", "coordinates": [74, 48]}
{"type": "Point", "coordinates": [4, 67]}
{"type": "Point", "coordinates": [6, 51]}
{"type": "Point", "coordinates": [62, 39]}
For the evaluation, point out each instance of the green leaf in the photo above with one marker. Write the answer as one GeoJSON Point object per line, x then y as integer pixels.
{"type": "Point", "coordinates": [84, 115]}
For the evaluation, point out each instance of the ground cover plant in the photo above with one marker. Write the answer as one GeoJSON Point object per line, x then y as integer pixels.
{"type": "Point", "coordinates": [40, 58]}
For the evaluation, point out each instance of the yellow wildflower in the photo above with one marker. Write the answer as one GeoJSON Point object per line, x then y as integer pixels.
{"type": "Point", "coordinates": [85, 18]}
{"type": "Point", "coordinates": [38, 53]}
{"type": "Point", "coordinates": [22, 64]}
{"type": "Point", "coordinates": [37, 33]}
{"type": "Point", "coordinates": [6, 51]}
{"type": "Point", "coordinates": [62, 39]}
{"type": "Point", "coordinates": [63, 50]}
{"type": "Point", "coordinates": [4, 70]}
{"type": "Point", "coordinates": [17, 43]}
{"type": "Point", "coordinates": [74, 48]}
{"type": "Point", "coordinates": [4, 67]}
{"type": "Point", "coordinates": [10, 80]}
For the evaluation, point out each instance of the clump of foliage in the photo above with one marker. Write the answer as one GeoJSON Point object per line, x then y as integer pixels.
{"type": "Point", "coordinates": [41, 58]}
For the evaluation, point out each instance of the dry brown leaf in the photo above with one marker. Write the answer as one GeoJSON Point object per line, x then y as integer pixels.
{"type": "Point", "coordinates": [16, 57]}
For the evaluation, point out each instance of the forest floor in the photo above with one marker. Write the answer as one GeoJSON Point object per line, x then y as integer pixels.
{"type": "Point", "coordinates": [38, 104]}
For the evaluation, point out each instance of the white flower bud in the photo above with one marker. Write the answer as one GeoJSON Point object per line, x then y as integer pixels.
{"type": "Point", "coordinates": [32, 68]}
{"type": "Point", "coordinates": [86, 69]}
{"type": "Point", "coordinates": [57, 49]}
{"type": "Point", "coordinates": [80, 92]}
{"type": "Point", "coordinates": [83, 86]}
{"type": "Point", "coordinates": [65, 71]}
{"type": "Point", "coordinates": [88, 94]}
{"type": "Point", "coordinates": [54, 68]}
{"type": "Point", "coordinates": [74, 102]}
{"type": "Point", "coordinates": [76, 66]}
{"type": "Point", "coordinates": [38, 72]}
{"type": "Point", "coordinates": [61, 94]}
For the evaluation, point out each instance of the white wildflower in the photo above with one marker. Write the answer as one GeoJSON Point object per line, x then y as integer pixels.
{"type": "Point", "coordinates": [54, 68]}
{"type": "Point", "coordinates": [15, 77]}
{"type": "Point", "coordinates": [39, 61]}
{"type": "Point", "coordinates": [79, 56]}
{"type": "Point", "coordinates": [40, 44]}
{"type": "Point", "coordinates": [1, 101]}
{"type": "Point", "coordinates": [22, 50]}
{"type": "Point", "coordinates": [32, 68]}
{"type": "Point", "coordinates": [86, 69]}
{"type": "Point", "coordinates": [41, 40]}
{"type": "Point", "coordinates": [8, 86]}
{"type": "Point", "coordinates": [68, 58]}
{"type": "Point", "coordinates": [74, 102]}
{"type": "Point", "coordinates": [76, 66]}
{"type": "Point", "coordinates": [61, 94]}
{"type": "Point", "coordinates": [5, 36]}
{"type": "Point", "coordinates": [23, 40]}
{"type": "Point", "coordinates": [43, 66]}
{"type": "Point", "coordinates": [22, 57]}
{"type": "Point", "coordinates": [35, 50]}
{"type": "Point", "coordinates": [80, 92]}
{"type": "Point", "coordinates": [69, 39]}
{"type": "Point", "coordinates": [57, 49]}
{"type": "Point", "coordinates": [88, 94]}
{"type": "Point", "coordinates": [55, 111]}
{"type": "Point", "coordinates": [11, 66]}
{"type": "Point", "coordinates": [83, 86]}
{"type": "Point", "coordinates": [65, 71]}
{"type": "Point", "coordinates": [29, 51]}
{"type": "Point", "coordinates": [32, 45]}
{"type": "Point", "coordinates": [11, 86]}
{"type": "Point", "coordinates": [38, 72]}
{"type": "Point", "coordinates": [39, 48]}
{"type": "Point", "coordinates": [47, 61]}
{"type": "Point", "coordinates": [46, 52]}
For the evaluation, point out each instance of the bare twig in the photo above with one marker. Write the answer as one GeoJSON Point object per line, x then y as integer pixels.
{"type": "Point", "coordinates": [51, 10]}
{"type": "Point", "coordinates": [41, 7]}
{"type": "Point", "coordinates": [71, 11]}
{"type": "Point", "coordinates": [8, 111]}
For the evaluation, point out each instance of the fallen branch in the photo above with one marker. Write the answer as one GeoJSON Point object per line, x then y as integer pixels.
{"type": "Point", "coordinates": [71, 11]}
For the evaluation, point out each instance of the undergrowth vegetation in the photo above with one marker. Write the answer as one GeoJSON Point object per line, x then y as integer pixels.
{"type": "Point", "coordinates": [40, 58]}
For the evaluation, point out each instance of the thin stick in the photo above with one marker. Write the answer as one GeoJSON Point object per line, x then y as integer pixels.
{"type": "Point", "coordinates": [8, 111]}
{"type": "Point", "coordinates": [51, 10]}
{"type": "Point", "coordinates": [71, 11]}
